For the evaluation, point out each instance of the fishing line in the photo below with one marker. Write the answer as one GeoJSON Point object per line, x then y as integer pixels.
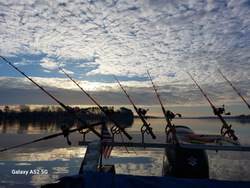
{"type": "Point", "coordinates": [235, 89]}
{"type": "Point", "coordinates": [167, 114]}
{"type": "Point", "coordinates": [104, 111]}
{"type": "Point", "coordinates": [141, 113]}
{"type": "Point", "coordinates": [218, 112]}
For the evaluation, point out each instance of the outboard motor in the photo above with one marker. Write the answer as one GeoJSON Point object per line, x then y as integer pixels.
{"type": "Point", "coordinates": [182, 162]}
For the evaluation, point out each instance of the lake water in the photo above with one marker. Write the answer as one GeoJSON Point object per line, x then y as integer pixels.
{"type": "Point", "coordinates": [48, 160]}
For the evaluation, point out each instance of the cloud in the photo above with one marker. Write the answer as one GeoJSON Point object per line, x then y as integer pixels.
{"type": "Point", "coordinates": [47, 71]}
{"type": "Point", "coordinates": [49, 64]}
{"type": "Point", "coordinates": [23, 164]}
{"type": "Point", "coordinates": [24, 62]}
{"type": "Point", "coordinates": [14, 90]}
{"type": "Point", "coordinates": [127, 38]}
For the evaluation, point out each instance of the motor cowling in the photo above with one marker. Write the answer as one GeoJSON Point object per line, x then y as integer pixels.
{"type": "Point", "coordinates": [182, 162]}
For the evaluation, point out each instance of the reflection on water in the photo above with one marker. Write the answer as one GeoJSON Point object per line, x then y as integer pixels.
{"type": "Point", "coordinates": [43, 166]}
{"type": "Point", "coordinates": [229, 165]}
{"type": "Point", "coordinates": [243, 121]}
{"type": "Point", "coordinates": [21, 126]}
{"type": "Point", "coordinates": [54, 158]}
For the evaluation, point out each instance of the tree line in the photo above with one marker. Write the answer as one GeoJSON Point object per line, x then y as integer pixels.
{"type": "Point", "coordinates": [47, 112]}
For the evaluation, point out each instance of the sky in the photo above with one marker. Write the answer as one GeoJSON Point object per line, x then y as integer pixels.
{"type": "Point", "coordinates": [91, 40]}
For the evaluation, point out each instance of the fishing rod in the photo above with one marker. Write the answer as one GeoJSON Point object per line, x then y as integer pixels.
{"type": "Point", "coordinates": [65, 107]}
{"type": "Point", "coordinates": [141, 113]}
{"type": "Point", "coordinates": [235, 89]}
{"type": "Point", "coordinates": [65, 133]}
{"type": "Point", "coordinates": [167, 114]}
{"type": "Point", "coordinates": [218, 112]}
{"type": "Point", "coordinates": [108, 113]}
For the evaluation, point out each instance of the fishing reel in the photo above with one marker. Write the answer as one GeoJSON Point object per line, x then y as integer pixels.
{"type": "Point", "coordinates": [218, 111]}
{"type": "Point", "coordinates": [143, 112]}
{"type": "Point", "coordinates": [65, 132]}
{"type": "Point", "coordinates": [171, 115]}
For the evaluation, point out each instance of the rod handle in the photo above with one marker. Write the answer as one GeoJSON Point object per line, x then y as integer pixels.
{"type": "Point", "coordinates": [126, 134]}
{"type": "Point", "coordinates": [152, 134]}
{"type": "Point", "coordinates": [234, 137]}
{"type": "Point", "coordinates": [51, 136]}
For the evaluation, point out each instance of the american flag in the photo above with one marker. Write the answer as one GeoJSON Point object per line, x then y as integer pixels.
{"type": "Point", "coordinates": [106, 150]}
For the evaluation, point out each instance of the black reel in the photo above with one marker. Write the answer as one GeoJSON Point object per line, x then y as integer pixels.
{"type": "Point", "coordinates": [218, 111]}
{"type": "Point", "coordinates": [171, 115]}
{"type": "Point", "coordinates": [65, 131]}
{"type": "Point", "coordinates": [142, 111]}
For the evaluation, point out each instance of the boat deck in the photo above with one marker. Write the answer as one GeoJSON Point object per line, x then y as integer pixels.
{"type": "Point", "coordinates": [201, 141]}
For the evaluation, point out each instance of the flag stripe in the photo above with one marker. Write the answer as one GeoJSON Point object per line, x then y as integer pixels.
{"type": "Point", "coordinates": [106, 150]}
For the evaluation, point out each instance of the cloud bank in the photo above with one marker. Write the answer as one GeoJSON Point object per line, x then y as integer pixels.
{"type": "Point", "coordinates": [127, 38]}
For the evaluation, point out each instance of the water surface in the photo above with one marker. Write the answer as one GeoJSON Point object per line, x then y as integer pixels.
{"type": "Point", "coordinates": [48, 160]}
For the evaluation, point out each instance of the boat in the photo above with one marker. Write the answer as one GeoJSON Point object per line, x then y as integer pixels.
{"type": "Point", "coordinates": [185, 162]}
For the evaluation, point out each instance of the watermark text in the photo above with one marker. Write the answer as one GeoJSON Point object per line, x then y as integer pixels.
{"type": "Point", "coordinates": [31, 171]}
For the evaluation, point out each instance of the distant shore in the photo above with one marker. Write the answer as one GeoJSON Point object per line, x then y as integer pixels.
{"type": "Point", "coordinates": [207, 117]}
